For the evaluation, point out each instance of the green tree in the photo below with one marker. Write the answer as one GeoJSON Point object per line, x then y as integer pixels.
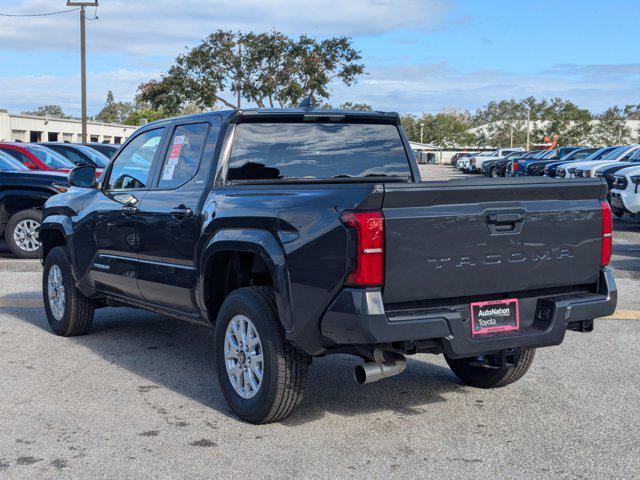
{"type": "Point", "coordinates": [49, 111]}
{"type": "Point", "coordinates": [114, 112]}
{"type": "Point", "coordinates": [504, 120]}
{"type": "Point", "coordinates": [632, 112]}
{"type": "Point", "coordinates": [356, 106]}
{"type": "Point", "coordinates": [571, 124]}
{"type": "Point", "coordinates": [148, 114]}
{"type": "Point", "coordinates": [447, 129]}
{"type": "Point", "coordinates": [612, 128]}
{"type": "Point", "coordinates": [268, 69]}
{"type": "Point", "coordinates": [411, 126]}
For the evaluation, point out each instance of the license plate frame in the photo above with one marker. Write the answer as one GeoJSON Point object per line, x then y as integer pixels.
{"type": "Point", "coordinates": [490, 317]}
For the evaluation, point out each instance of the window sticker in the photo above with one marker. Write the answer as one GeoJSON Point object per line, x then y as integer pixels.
{"type": "Point", "coordinates": [174, 155]}
{"type": "Point", "coordinates": [168, 172]}
{"type": "Point", "coordinates": [176, 148]}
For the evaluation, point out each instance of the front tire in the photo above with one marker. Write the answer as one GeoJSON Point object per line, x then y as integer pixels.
{"type": "Point", "coordinates": [261, 375]}
{"type": "Point", "coordinates": [21, 235]}
{"type": "Point", "coordinates": [484, 377]}
{"type": "Point", "coordinates": [68, 311]}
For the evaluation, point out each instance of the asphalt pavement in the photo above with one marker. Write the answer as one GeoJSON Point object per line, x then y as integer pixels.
{"type": "Point", "coordinates": [137, 398]}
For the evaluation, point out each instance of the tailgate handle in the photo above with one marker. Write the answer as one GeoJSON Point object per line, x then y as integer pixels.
{"type": "Point", "coordinates": [504, 218]}
{"type": "Point", "coordinates": [504, 222]}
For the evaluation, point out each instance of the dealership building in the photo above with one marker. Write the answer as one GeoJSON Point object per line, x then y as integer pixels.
{"type": "Point", "coordinates": [32, 128]}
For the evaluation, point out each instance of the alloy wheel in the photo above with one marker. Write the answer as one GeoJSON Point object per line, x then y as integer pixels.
{"type": "Point", "coordinates": [25, 235]}
{"type": "Point", "coordinates": [243, 356]}
{"type": "Point", "coordinates": [55, 291]}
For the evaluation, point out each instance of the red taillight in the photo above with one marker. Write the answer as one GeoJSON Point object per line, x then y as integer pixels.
{"type": "Point", "coordinates": [515, 166]}
{"type": "Point", "coordinates": [369, 229]}
{"type": "Point", "coordinates": [607, 234]}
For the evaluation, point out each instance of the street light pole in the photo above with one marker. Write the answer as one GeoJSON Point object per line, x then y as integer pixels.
{"type": "Point", "coordinates": [528, 128]}
{"type": "Point", "coordinates": [83, 60]}
{"type": "Point", "coordinates": [422, 133]}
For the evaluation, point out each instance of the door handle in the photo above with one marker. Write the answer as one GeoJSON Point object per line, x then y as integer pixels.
{"type": "Point", "coordinates": [181, 212]}
{"type": "Point", "coordinates": [129, 210]}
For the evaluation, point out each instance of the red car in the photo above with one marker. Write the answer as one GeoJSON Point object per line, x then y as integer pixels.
{"type": "Point", "coordinates": [36, 157]}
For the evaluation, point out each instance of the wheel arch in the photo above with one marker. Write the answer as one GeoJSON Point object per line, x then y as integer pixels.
{"type": "Point", "coordinates": [14, 201]}
{"type": "Point", "coordinates": [55, 231]}
{"type": "Point", "coordinates": [236, 258]}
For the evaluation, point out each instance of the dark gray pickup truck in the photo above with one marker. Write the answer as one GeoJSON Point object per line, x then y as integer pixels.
{"type": "Point", "coordinates": [304, 232]}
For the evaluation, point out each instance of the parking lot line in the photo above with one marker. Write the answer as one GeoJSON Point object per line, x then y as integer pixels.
{"type": "Point", "coordinates": [21, 302]}
{"type": "Point", "coordinates": [624, 315]}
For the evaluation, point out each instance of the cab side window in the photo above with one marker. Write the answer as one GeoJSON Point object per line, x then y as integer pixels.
{"type": "Point", "coordinates": [131, 169]}
{"type": "Point", "coordinates": [183, 155]}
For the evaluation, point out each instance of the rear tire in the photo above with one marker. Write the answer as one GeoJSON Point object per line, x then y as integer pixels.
{"type": "Point", "coordinates": [483, 377]}
{"type": "Point", "coordinates": [69, 312]}
{"type": "Point", "coordinates": [264, 392]}
{"type": "Point", "coordinates": [20, 234]}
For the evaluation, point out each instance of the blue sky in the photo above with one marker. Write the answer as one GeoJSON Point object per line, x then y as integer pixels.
{"type": "Point", "coordinates": [421, 55]}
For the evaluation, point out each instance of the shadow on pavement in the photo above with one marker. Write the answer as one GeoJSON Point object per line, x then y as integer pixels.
{"type": "Point", "coordinates": [179, 356]}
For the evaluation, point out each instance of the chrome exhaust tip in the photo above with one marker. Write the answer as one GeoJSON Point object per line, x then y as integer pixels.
{"type": "Point", "coordinates": [369, 372]}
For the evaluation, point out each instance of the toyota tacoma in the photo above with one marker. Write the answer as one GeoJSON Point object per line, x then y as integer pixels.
{"type": "Point", "coordinates": [304, 232]}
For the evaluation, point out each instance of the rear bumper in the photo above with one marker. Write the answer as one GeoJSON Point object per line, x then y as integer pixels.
{"type": "Point", "coordinates": [357, 316]}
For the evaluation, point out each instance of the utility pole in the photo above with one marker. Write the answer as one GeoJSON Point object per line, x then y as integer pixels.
{"type": "Point", "coordinates": [83, 60]}
{"type": "Point", "coordinates": [511, 135]}
{"type": "Point", "coordinates": [422, 133]}
{"type": "Point", "coordinates": [239, 74]}
{"type": "Point", "coordinates": [528, 128]}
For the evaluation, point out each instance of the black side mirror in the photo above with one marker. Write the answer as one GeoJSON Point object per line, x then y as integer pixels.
{"type": "Point", "coordinates": [83, 176]}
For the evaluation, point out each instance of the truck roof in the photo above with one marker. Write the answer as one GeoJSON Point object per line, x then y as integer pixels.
{"type": "Point", "coordinates": [292, 113]}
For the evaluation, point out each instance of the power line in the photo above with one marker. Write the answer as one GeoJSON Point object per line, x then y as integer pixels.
{"type": "Point", "coordinates": [38, 14]}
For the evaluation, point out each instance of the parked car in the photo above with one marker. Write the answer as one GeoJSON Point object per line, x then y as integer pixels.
{"type": "Point", "coordinates": [476, 161]}
{"type": "Point", "coordinates": [307, 232]}
{"type": "Point", "coordinates": [625, 195]}
{"type": "Point", "coordinates": [459, 155]}
{"type": "Point", "coordinates": [10, 164]}
{"type": "Point", "coordinates": [537, 168]}
{"type": "Point", "coordinates": [608, 172]}
{"type": "Point", "coordinates": [620, 154]}
{"type": "Point", "coordinates": [36, 157]}
{"type": "Point", "coordinates": [591, 170]}
{"type": "Point", "coordinates": [22, 194]}
{"type": "Point", "coordinates": [554, 154]}
{"type": "Point", "coordinates": [464, 163]}
{"type": "Point", "coordinates": [497, 168]}
{"type": "Point", "coordinates": [514, 165]}
{"type": "Point", "coordinates": [79, 154]}
{"type": "Point", "coordinates": [106, 149]}
{"type": "Point", "coordinates": [551, 169]}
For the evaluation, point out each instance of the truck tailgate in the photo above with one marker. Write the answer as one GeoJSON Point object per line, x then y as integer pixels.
{"type": "Point", "coordinates": [474, 237]}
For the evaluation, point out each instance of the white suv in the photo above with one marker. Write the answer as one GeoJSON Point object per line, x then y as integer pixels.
{"type": "Point", "coordinates": [625, 194]}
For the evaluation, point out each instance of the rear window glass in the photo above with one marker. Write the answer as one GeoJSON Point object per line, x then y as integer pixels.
{"type": "Point", "coordinates": [272, 151]}
{"type": "Point", "coordinates": [50, 158]}
{"type": "Point", "coordinates": [10, 164]}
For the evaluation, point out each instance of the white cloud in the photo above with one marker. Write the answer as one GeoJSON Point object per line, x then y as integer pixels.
{"type": "Point", "coordinates": [413, 88]}
{"type": "Point", "coordinates": [433, 87]}
{"type": "Point", "coordinates": [163, 27]}
{"type": "Point", "coordinates": [26, 93]}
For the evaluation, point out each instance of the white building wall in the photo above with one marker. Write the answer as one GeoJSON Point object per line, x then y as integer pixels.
{"type": "Point", "coordinates": [21, 127]}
